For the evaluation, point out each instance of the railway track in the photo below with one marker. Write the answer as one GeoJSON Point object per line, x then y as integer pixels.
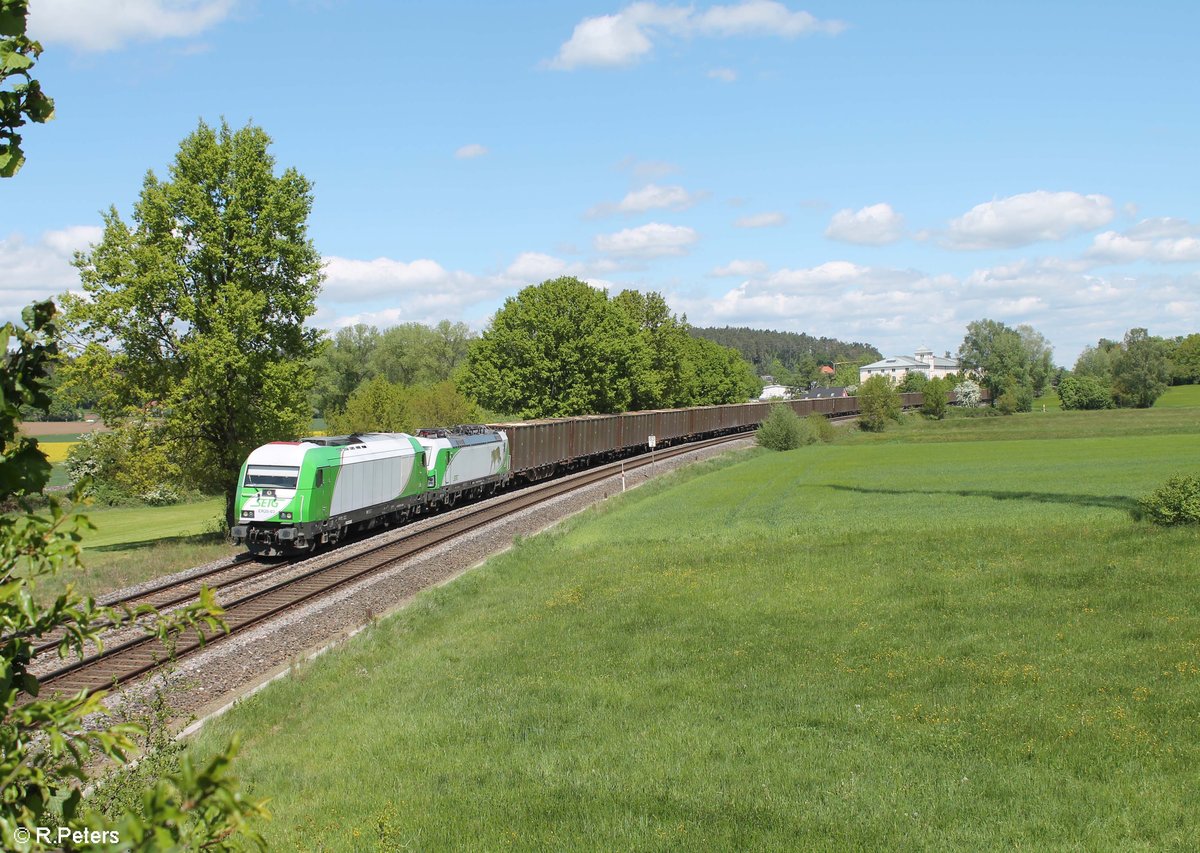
{"type": "Point", "coordinates": [128, 660]}
{"type": "Point", "coordinates": [168, 594]}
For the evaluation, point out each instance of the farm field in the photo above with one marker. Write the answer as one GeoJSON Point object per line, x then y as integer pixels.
{"type": "Point", "coordinates": [1177, 396]}
{"type": "Point", "coordinates": [954, 636]}
{"type": "Point", "coordinates": [135, 544]}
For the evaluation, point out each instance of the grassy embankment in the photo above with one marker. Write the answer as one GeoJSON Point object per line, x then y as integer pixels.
{"type": "Point", "coordinates": [953, 637]}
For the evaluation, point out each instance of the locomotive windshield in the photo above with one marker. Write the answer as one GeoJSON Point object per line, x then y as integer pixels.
{"type": "Point", "coordinates": [272, 476]}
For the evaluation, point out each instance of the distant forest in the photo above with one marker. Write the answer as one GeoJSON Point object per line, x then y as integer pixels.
{"type": "Point", "coordinates": [796, 352]}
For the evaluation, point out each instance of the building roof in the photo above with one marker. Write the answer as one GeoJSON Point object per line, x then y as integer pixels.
{"type": "Point", "coordinates": [820, 393]}
{"type": "Point", "coordinates": [908, 362]}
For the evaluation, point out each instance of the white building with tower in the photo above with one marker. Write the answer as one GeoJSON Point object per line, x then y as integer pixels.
{"type": "Point", "coordinates": [897, 367]}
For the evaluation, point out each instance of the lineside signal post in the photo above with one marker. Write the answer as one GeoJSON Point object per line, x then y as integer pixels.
{"type": "Point", "coordinates": [652, 440]}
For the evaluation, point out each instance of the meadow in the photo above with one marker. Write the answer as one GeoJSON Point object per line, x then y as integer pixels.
{"type": "Point", "coordinates": [134, 544]}
{"type": "Point", "coordinates": [956, 635]}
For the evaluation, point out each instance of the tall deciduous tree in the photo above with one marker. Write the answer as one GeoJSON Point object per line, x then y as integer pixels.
{"type": "Point", "coordinates": [21, 96]}
{"type": "Point", "coordinates": [1185, 361]}
{"type": "Point", "coordinates": [665, 376]}
{"type": "Point", "coordinates": [558, 348]}
{"type": "Point", "coordinates": [415, 354]}
{"type": "Point", "coordinates": [720, 375]}
{"type": "Point", "coordinates": [878, 402]}
{"type": "Point", "coordinates": [196, 309]}
{"type": "Point", "coordinates": [1097, 362]}
{"type": "Point", "coordinates": [343, 365]}
{"type": "Point", "coordinates": [1006, 359]}
{"type": "Point", "coordinates": [1142, 371]}
{"type": "Point", "coordinates": [1039, 355]}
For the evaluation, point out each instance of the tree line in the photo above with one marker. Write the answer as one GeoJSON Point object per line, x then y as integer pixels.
{"type": "Point", "coordinates": [1130, 373]}
{"type": "Point", "coordinates": [793, 358]}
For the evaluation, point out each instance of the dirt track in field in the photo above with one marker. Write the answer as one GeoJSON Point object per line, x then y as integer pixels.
{"type": "Point", "coordinates": [38, 428]}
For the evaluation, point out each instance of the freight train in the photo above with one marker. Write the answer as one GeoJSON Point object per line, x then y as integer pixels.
{"type": "Point", "coordinates": [295, 495]}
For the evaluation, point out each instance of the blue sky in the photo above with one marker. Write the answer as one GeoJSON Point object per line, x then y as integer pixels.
{"type": "Point", "coordinates": [881, 172]}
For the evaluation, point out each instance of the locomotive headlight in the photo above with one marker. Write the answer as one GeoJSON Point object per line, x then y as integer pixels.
{"type": "Point", "coordinates": [268, 493]}
{"type": "Point", "coordinates": [286, 516]}
{"type": "Point", "coordinates": [247, 513]}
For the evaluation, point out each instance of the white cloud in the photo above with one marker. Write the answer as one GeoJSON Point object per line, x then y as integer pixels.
{"type": "Point", "coordinates": [741, 269]}
{"type": "Point", "coordinates": [762, 18]}
{"type": "Point", "coordinates": [469, 151]}
{"type": "Point", "coordinates": [647, 241]}
{"type": "Point", "coordinates": [647, 170]}
{"type": "Point", "coordinates": [534, 267]}
{"type": "Point", "coordinates": [649, 197]}
{"type": "Point", "coordinates": [31, 271]}
{"type": "Point", "coordinates": [725, 75]}
{"type": "Point", "coordinates": [1028, 218]}
{"type": "Point", "coordinates": [100, 25]}
{"type": "Point", "coordinates": [626, 37]}
{"type": "Point", "coordinates": [1163, 240]}
{"type": "Point", "coordinates": [350, 280]}
{"type": "Point", "coordinates": [761, 220]}
{"type": "Point", "coordinates": [875, 225]}
{"type": "Point", "coordinates": [896, 309]}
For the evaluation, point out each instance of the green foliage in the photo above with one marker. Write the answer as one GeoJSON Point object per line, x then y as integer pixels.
{"type": "Point", "coordinates": [375, 406]}
{"type": "Point", "coordinates": [382, 406]}
{"type": "Point", "coordinates": [21, 96]}
{"type": "Point", "coordinates": [782, 429]}
{"type": "Point", "coordinates": [936, 399]}
{"type": "Point", "coordinates": [1142, 371]}
{"type": "Point", "coordinates": [1097, 362]}
{"type": "Point", "coordinates": [440, 405]}
{"type": "Point", "coordinates": [1007, 403]}
{"type": "Point", "coordinates": [49, 745]}
{"type": "Point", "coordinates": [1006, 359]}
{"type": "Point", "coordinates": [878, 402]}
{"type": "Point", "coordinates": [1039, 355]}
{"type": "Point", "coordinates": [197, 309]}
{"type": "Point", "coordinates": [1084, 392]}
{"type": "Point", "coordinates": [556, 349]}
{"type": "Point", "coordinates": [799, 354]}
{"type": "Point", "coordinates": [414, 354]}
{"type": "Point", "coordinates": [1177, 501]}
{"type": "Point", "coordinates": [821, 428]}
{"type": "Point", "coordinates": [719, 375]}
{"type": "Point", "coordinates": [914, 382]}
{"type": "Point", "coordinates": [846, 375]}
{"type": "Point", "coordinates": [564, 348]}
{"type": "Point", "coordinates": [1185, 361]}
{"type": "Point", "coordinates": [343, 364]}
{"type": "Point", "coordinates": [666, 377]}
{"type": "Point", "coordinates": [132, 462]}
{"type": "Point", "coordinates": [408, 354]}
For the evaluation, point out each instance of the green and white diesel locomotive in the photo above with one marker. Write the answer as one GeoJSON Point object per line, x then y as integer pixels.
{"type": "Point", "coordinates": [295, 495]}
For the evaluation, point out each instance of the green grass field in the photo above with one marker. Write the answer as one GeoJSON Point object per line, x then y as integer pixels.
{"type": "Point", "coordinates": [908, 643]}
{"type": "Point", "coordinates": [1179, 396]}
{"type": "Point", "coordinates": [135, 544]}
{"type": "Point", "coordinates": [126, 526]}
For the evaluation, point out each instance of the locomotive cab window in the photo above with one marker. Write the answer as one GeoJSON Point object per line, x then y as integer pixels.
{"type": "Point", "coordinates": [319, 480]}
{"type": "Point", "coordinates": [272, 476]}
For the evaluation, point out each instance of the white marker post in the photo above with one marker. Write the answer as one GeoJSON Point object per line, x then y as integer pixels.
{"type": "Point", "coordinates": [652, 440]}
